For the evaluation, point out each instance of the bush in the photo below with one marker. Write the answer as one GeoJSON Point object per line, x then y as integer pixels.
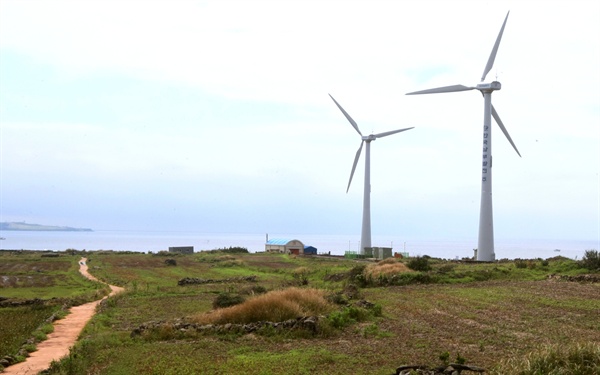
{"type": "Point", "coordinates": [591, 260]}
{"type": "Point", "coordinates": [229, 250]}
{"type": "Point", "coordinates": [419, 264]}
{"type": "Point", "coordinates": [170, 262]}
{"type": "Point", "coordinates": [347, 316]}
{"type": "Point", "coordinates": [519, 263]}
{"type": "Point", "coordinates": [300, 274]}
{"type": "Point", "coordinates": [227, 299]}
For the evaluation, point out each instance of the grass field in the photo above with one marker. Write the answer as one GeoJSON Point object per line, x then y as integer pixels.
{"type": "Point", "coordinates": [54, 281]}
{"type": "Point", "coordinates": [486, 314]}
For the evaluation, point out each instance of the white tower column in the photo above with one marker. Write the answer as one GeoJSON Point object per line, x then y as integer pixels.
{"type": "Point", "coordinates": [365, 234]}
{"type": "Point", "coordinates": [485, 246]}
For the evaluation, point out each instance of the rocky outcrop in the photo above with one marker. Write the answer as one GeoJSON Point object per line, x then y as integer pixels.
{"type": "Point", "coordinates": [170, 262]}
{"type": "Point", "coordinates": [195, 280]}
{"type": "Point", "coordinates": [309, 323]}
{"type": "Point", "coordinates": [451, 369]}
{"type": "Point", "coordinates": [588, 278]}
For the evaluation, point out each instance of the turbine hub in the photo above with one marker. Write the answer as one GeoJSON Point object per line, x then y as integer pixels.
{"type": "Point", "coordinates": [369, 138]}
{"type": "Point", "coordinates": [489, 87]}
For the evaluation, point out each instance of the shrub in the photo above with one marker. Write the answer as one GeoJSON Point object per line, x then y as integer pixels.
{"type": "Point", "coordinates": [591, 260]}
{"type": "Point", "coordinates": [419, 264]}
{"type": "Point", "coordinates": [170, 262]}
{"type": "Point", "coordinates": [227, 299]}
{"type": "Point", "coordinates": [301, 275]}
{"type": "Point", "coordinates": [346, 316]}
{"type": "Point", "coordinates": [520, 263]}
{"type": "Point", "coordinates": [337, 298]}
{"type": "Point", "coordinates": [229, 250]}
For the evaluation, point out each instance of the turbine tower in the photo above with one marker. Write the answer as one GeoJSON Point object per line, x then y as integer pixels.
{"type": "Point", "coordinates": [485, 246]}
{"type": "Point", "coordinates": [365, 236]}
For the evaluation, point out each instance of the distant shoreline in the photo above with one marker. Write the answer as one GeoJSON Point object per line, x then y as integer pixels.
{"type": "Point", "coordinates": [22, 226]}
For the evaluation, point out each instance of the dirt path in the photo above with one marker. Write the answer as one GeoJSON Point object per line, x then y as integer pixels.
{"type": "Point", "coordinates": [64, 336]}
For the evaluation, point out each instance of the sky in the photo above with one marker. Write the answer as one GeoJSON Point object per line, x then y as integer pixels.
{"type": "Point", "coordinates": [214, 116]}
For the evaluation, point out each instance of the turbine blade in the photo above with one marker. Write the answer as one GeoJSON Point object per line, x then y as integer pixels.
{"type": "Point", "coordinates": [355, 163]}
{"type": "Point", "coordinates": [385, 134]}
{"type": "Point", "coordinates": [453, 88]}
{"type": "Point", "coordinates": [354, 125]}
{"type": "Point", "coordinates": [490, 62]}
{"type": "Point", "coordinates": [501, 125]}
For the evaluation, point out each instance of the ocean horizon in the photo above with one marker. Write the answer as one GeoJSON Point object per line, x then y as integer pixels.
{"type": "Point", "coordinates": [154, 241]}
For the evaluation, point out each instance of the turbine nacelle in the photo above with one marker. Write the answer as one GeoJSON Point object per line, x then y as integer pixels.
{"type": "Point", "coordinates": [493, 86]}
{"type": "Point", "coordinates": [364, 138]}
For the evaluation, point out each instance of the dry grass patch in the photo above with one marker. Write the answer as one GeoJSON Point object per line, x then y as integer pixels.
{"type": "Point", "coordinates": [386, 267]}
{"type": "Point", "coordinates": [275, 306]}
{"type": "Point", "coordinates": [575, 359]}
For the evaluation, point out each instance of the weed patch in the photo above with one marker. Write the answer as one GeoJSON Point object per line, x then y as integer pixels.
{"type": "Point", "coordinates": [575, 359]}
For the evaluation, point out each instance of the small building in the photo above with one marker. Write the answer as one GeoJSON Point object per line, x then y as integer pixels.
{"type": "Point", "coordinates": [382, 252]}
{"type": "Point", "coordinates": [284, 246]}
{"type": "Point", "coordinates": [182, 249]}
{"type": "Point", "coordinates": [310, 250]}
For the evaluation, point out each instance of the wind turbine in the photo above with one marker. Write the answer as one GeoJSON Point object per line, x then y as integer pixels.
{"type": "Point", "coordinates": [365, 236]}
{"type": "Point", "coordinates": [485, 246]}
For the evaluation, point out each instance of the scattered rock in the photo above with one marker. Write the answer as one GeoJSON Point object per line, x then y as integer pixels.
{"type": "Point", "coordinates": [309, 323]}
{"type": "Point", "coordinates": [451, 369]}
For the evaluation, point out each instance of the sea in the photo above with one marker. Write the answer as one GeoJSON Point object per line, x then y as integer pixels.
{"type": "Point", "coordinates": [154, 241]}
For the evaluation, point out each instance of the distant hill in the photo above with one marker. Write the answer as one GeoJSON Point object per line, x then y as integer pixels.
{"type": "Point", "coordinates": [37, 227]}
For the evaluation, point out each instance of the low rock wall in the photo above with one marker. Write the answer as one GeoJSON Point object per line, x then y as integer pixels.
{"type": "Point", "coordinates": [309, 323]}
{"type": "Point", "coordinates": [588, 278]}
{"type": "Point", "coordinates": [195, 280]}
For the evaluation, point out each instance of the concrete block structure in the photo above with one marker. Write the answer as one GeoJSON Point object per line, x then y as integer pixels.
{"type": "Point", "coordinates": [182, 249]}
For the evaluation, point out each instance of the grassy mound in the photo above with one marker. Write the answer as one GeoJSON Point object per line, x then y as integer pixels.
{"type": "Point", "coordinates": [386, 267]}
{"type": "Point", "coordinates": [275, 306]}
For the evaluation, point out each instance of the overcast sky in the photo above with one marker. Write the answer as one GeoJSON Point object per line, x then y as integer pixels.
{"type": "Point", "coordinates": [214, 116]}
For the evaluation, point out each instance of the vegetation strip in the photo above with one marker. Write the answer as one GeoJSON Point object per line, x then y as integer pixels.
{"type": "Point", "coordinates": [373, 316]}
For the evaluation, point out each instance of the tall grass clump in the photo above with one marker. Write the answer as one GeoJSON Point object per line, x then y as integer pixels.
{"type": "Point", "coordinates": [275, 306]}
{"type": "Point", "coordinates": [387, 267]}
{"type": "Point", "coordinates": [577, 359]}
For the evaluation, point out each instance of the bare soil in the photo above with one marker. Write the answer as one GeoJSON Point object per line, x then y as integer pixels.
{"type": "Point", "coordinates": [66, 332]}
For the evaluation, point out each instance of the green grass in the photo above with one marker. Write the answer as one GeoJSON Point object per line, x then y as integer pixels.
{"type": "Point", "coordinates": [18, 323]}
{"type": "Point", "coordinates": [28, 275]}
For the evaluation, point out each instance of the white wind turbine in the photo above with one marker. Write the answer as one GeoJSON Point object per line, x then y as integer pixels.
{"type": "Point", "coordinates": [365, 236]}
{"type": "Point", "coordinates": [485, 246]}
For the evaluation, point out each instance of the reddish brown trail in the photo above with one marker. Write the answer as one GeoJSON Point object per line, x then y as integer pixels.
{"type": "Point", "coordinates": [66, 332]}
